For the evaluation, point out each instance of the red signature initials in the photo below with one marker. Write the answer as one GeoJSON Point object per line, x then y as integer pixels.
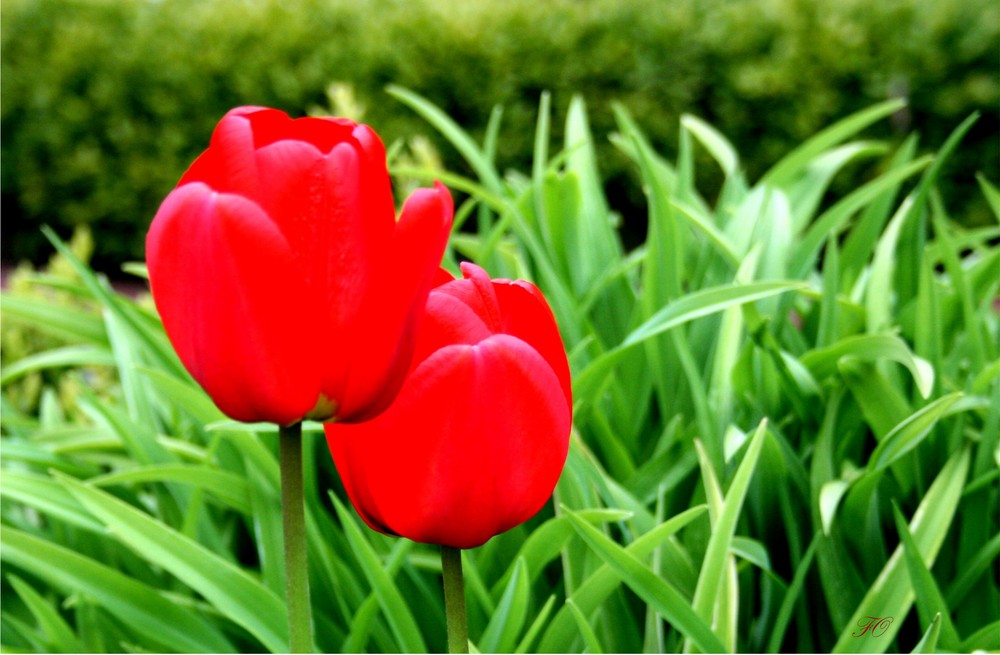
{"type": "Point", "coordinates": [874, 624]}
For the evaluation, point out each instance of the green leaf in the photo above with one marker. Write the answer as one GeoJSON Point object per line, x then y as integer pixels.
{"type": "Point", "coordinates": [135, 604]}
{"type": "Point", "coordinates": [501, 633]}
{"type": "Point", "coordinates": [986, 638]}
{"type": "Point", "coordinates": [228, 487]}
{"type": "Point", "coordinates": [659, 594]}
{"type": "Point", "coordinates": [715, 143]}
{"type": "Point", "coordinates": [57, 631]}
{"type": "Point", "coordinates": [830, 495]}
{"type": "Point", "coordinates": [451, 130]}
{"type": "Point", "coordinates": [928, 643]}
{"type": "Point", "coordinates": [602, 582]}
{"type": "Point", "coordinates": [907, 435]}
{"type": "Point", "coordinates": [931, 606]}
{"type": "Point", "coordinates": [232, 591]}
{"type": "Point", "coordinates": [752, 551]}
{"type": "Point", "coordinates": [143, 328]}
{"type": "Point", "coordinates": [687, 308]}
{"type": "Point", "coordinates": [823, 362]}
{"type": "Point", "coordinates": [807, 192]}
{"type": "Point", "coordinates": [544, 543]}
{"type": "Point", "coordinates": [991, 194]}
{"type": "Point", "coordinates": [892, 594]}
{"type": "Point", "coordinates": [878, 294]}
{"type": "Point", "coordinates": [713, 568]}
{"type": "Point", "coordinates": [59, 357]}
{"type": "Point", "coordinates": [972, 569]}
{"type": "Point", "coordinates": [397, 614]}
{"type": "Point", "coordinates": [833, 220]}
{"type": "Point", "coordinates": [586, 631]}
{"type": "Point", "coordinates": [536, 626]}
{"type": "Point", "coordinates": [784, 615]}
{"type": "Point", "coordinates": [792, 164]}
{"type": "Point", "coordinates": [49, 497]}
{"type": "Point", "coordinates": [72, 325]}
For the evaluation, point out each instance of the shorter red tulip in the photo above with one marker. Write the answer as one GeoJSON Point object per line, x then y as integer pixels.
{"type": "Point", "coordinates": [477, 438]}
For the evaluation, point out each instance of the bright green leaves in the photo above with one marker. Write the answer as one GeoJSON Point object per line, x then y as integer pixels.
{"type": "Point", "coordinates": [859, 323]}
{"type": "Point", "coordinates": [892, 594]}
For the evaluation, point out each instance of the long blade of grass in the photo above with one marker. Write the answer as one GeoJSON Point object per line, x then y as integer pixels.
{"type": "Point", "coordinates": [473, 154]}
{"type": "Point", "coordinates": [792, 164]}
{"type": "Point", "coordinates": [500, 635]}
{"type": "Point", "coordinates": [66, 323]}
{"type": "Point", "coordinates": [911, 432]}
{"type": "Point", "coordinates": [823, 362]}
{"type": "Point", "coordinates": [49, 497]}
{"type": "Point", "coordinates": [397, 614]}
{"type": "Point", "coordinates": [231, 590]}
{"type": "Point", "coordinates": [51, 623]}
{"type": "Point", "coordinates": [712, 574]}
{"type": "Point", "coordinates": [228, 487]}
{"type": "Point", "coordinates": [832, 221]}
{"type": "Point", "coordinates": [135, 604]}
{"type": "Point", "coordinates": [659, 594]}
{"type": "Point", "coordinates": [715, 143]}
{"type": "Point", "coordinates": [930, 601]}
{"type": "Point", "coordinates": [784, 615]}
{"type": "Point", "coordinates": [80, 355]}
{"type": "Point", "coordinates": [892, 594]}
{"type": "Point", "coordinates": [687, 308]}
{"type": "Point", "coordinates": [536, 626]}
{"type": "Point", "coordinates": [600, 584]}
{"type": "Point", "coordinates": [592, 644]}
{"type": "Point", "coordinates": [928, 643]}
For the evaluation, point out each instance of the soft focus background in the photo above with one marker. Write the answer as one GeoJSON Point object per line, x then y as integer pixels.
{"type": "Point", "coordinates": [105, 103]}
{"type": "Point", "coordinates": [769, 231]}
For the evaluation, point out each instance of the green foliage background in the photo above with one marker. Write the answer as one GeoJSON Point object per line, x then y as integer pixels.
{"type": "Point", "coordinates": [105, 103]}
{"type": "Point", "coordinates": [786, 419]}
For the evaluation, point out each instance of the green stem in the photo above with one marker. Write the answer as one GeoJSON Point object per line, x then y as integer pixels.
{"type": "Point", "coordinates": [454, 600]}
{"type": "Point", "coordinates": [293, 522]}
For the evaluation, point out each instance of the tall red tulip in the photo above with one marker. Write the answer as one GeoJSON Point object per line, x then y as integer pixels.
{"type": "Point", "coordinates": [477, 438]}
{"type": "Point", "coordinates": [282, 276]}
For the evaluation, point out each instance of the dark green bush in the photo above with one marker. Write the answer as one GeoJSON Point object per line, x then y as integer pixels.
{"type": "Point", "coordinates": [105, 103]}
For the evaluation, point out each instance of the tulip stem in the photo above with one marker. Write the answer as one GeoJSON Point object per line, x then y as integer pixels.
{"type": "Point", "coordinates": [294, 528]}
{"type": "Point", "coordinates": [454, 600]}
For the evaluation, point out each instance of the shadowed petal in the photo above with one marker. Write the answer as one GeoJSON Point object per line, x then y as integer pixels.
{"type": "Point", "coordinates": [233, 304]}
{"type": "Point", "coordinates": [393, 304]}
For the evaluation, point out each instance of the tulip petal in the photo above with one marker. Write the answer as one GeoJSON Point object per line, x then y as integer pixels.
{"type": "Point", "coordinates": [447, 321]}
{"type": "Point", "coordinates": [526, 315]}
{"type": "Point", "coordinates": [228, 164]}
{"type": "Point", "coordinates": [383, 340]}
{"type": "Point", "coordinates": [233, 304]}
{"type": "Point", "coordinates": [473, 446]}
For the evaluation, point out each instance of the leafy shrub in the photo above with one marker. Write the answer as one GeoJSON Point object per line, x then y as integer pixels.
{"type": "Point", "coordinates": [105, 103]}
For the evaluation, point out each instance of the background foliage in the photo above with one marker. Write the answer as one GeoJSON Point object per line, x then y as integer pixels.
{"type": "Point", "coordinates": [105, 103]}
{"type": "Point", "coordinates": [787, 418]}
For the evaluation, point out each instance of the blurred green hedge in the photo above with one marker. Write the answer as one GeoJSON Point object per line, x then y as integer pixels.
{"type": "Point", "coordinates": [104, 103]}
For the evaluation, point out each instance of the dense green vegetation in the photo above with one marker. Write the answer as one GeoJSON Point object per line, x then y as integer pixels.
{"type": "Point", "coordinates": [786, 419]}
{"type": "Point", "coordinates": [105, 103]}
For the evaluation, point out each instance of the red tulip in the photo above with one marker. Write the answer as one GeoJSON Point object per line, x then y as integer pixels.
{"type": "Point", "coordinates": [476, 440]}
{"type": "Point", "coordinates": [283, 279]}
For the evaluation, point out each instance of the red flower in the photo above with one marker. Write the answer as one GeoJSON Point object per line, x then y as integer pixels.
{"type": "Point", "coordinates": [283, 280]}
{"type": "Point", "coordinates": [476, 440]}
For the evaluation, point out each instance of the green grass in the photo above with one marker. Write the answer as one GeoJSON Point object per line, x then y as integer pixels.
{"type": "Point", "coordinates": [787, 409]}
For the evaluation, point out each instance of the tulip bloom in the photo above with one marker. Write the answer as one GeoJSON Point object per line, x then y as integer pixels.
{"type": "Point", "coordinates": [284, 281]}
{"type": "Point", "coordinates": [477, 438]}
